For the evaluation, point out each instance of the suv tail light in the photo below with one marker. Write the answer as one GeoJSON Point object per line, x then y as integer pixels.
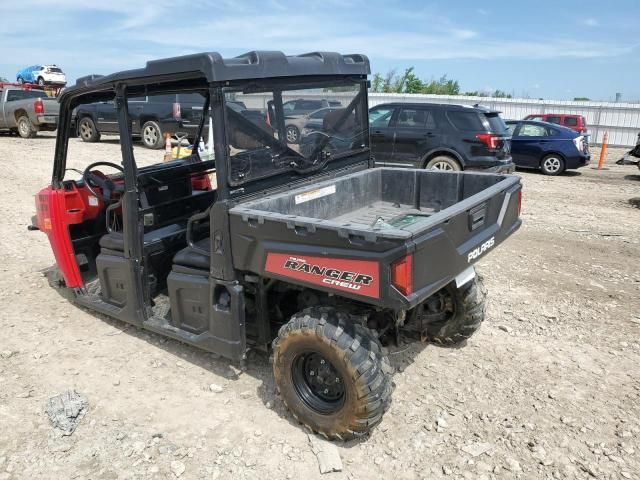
{"type": "Point", "coordinates": [177, 111]}
{"type": "Point", "coordinates": [38, 106]}
{"type": "Point", "coordinates": [489, 139]}
{"type": "Point", "coordinates": [402, 275]}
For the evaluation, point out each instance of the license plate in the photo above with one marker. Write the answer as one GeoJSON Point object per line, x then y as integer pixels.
{"type": "Point", "coordinates": [49, 119]}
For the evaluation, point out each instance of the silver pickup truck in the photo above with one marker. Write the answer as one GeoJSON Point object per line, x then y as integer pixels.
{"type": "Point", "coordinates": [27, 111]}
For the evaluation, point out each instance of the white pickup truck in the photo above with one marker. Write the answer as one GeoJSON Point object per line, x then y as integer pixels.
{"type": "Point", "coordinates": [27, 110]}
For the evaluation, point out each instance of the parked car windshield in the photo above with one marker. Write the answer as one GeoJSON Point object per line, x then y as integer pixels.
{"type": "Point", "coordinates": [260, 143]}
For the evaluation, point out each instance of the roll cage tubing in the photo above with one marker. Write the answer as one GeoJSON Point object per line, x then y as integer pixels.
{"type": "Point", "coordinates": [186, 82]}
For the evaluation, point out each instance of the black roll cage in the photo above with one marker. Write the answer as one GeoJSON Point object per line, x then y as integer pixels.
{"type": "Point", "coordinates": [213, 93]}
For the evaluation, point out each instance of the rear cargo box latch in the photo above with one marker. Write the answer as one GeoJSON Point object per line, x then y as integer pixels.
{"type": "Point", "coordinates": [476, 216]}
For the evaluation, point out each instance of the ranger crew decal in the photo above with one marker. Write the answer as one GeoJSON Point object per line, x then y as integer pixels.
{"type": "Point", "coordinates": [356, 276]}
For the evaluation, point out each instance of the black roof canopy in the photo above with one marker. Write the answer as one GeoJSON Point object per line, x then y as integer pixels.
{"type": "Point", "coordinates": [211, 67]}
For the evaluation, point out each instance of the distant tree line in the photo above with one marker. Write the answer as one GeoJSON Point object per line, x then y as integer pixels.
{"type": "Point", "coordinates": [409, 82]}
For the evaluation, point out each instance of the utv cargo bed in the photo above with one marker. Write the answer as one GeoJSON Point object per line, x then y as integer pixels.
{"type": "Point", "coordinates": [445, 220]}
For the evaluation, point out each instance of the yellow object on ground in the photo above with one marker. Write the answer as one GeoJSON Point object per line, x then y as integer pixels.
{"type": "Point", "coordinates": [184, 152]}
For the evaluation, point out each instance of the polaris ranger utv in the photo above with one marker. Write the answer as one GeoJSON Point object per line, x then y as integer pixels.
{"type": "Point", "coordinates": [306, 251]}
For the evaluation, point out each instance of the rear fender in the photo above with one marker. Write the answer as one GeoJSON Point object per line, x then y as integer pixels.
{"type": "Point", "coordinates": [447, 152]}
{"type": "Point", "coordinates": [56, 209]}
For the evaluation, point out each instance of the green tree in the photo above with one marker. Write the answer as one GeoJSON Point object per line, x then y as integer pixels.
{"type": "Point", "coordinates": [581, 99]}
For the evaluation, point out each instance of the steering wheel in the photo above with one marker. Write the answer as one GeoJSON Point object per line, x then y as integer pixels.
{"type": "Point", "coordinates": [107, 185]}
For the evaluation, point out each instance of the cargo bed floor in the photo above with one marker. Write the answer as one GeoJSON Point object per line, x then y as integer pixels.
{"type": "Point", "coordinates": [382, 212]}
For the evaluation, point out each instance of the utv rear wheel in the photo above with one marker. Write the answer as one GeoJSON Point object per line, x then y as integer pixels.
{"type": "Point", "coordinates": [25, 129]}
{"type": "Point", "coordinates": [152, 135]}
{"type": "Point", "coordinates": [552, 165]}
{"type": "Point", "coordinates": [87, 130]}
{"type": "Point", "coordinates": [445, 163]}
{"type": "Point", "coordinates": [457, 312]}
{"type": "Point", "coordinates": [331, 373]}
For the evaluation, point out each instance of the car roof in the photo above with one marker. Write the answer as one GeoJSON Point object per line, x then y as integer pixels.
{"type": "Point", "coordinates": [561, 128]}
{"type": "Point", "coordinates": [445, 106]}
{"type": "Point", "coordinates": [212, 67]}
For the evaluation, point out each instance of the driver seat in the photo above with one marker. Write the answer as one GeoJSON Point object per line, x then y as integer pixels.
{"type": "Point", "coordinates": [112, 243]}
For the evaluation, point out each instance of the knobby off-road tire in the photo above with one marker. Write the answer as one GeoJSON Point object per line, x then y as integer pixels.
{"type": "Point", "coordinates": [352, 358]}
{"type": "Point", "coordinates": [469, 306]}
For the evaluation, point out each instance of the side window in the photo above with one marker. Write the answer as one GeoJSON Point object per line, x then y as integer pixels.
{"type": "Point", "coordinates": [309, 105]}
{"type": "Point", "coordinates": [553, 120]}
{"type": "Point", "coordinates": [465, 121]}
{"type": "Point", "coordinates": [320, 113]}
{"type": "Point", "coordinates": [511, 128]}
{"type": "Point", "coordinates": [380, 117]}
{"type": "Point", "coordinates": [411, 118]}
{"type": "Point", "coordinates": [289, 106]}
{"type": "Point", "coordinates": [529, 130]}
{"type": "Point", "coordinates": [571, 121]}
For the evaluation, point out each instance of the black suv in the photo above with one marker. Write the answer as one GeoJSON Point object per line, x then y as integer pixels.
{"type": "Point", "coordinates": [152, 116]}
{"type": "Point", "coordinates": [442, 137]}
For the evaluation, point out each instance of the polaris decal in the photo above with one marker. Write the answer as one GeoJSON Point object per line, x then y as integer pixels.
{"type": "Point", "coordinates": [356, 276]}
{"type": "Point", "coordinates": [479, 250]}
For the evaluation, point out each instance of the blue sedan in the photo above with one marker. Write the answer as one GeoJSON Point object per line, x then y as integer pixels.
{"type": "Point", "coordinates": [548, 147]}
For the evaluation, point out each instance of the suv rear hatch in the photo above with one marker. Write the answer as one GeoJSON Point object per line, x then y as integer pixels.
{"type": "Point", "coordinates": [498, 140]}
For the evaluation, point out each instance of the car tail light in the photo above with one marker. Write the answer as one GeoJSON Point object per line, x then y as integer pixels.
{"type": "Point", "coordinates": [38, 106]}
{"type": "Point", "coordinates": [402, 275]}
{"type": "Point", "coordinates": [177, 111]}
{"type": "Point", "coordinates": [579, 143]}
{"type": "Point", "coordinates": [489, 139]}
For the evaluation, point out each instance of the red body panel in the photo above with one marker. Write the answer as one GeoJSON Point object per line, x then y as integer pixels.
{"type": "Point", "coordinates": [56, 210]}
{"type": "Point", "coordinates": [360, 277]}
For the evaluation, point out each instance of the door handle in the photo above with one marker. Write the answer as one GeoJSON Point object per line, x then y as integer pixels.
{"type": "Point", "coordinates": [429, 134]}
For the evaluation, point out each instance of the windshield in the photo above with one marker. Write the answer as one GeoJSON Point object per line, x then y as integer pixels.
{"type": "Point", "coordinates": [270, 132]}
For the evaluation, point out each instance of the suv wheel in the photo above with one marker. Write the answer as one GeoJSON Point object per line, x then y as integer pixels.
{"type": "Point", "coordinates": [293, 134]}
{"type": "Point", "coordinates": [152, 135]}
{"type": "Point", "coordinates": [443, 162]}
{"type": "Point", "coordinates": [552, 165]}
{"type": "Point", "coordinates": [331, 373]}
{"type": "Point", "coordinates": [87, 130]}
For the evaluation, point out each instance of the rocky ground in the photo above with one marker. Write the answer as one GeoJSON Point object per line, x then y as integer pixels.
{"type": "Point", "coordinates": [548, 388]}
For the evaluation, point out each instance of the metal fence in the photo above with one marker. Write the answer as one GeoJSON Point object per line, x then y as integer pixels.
{"type": "Point", "coordinates": [621, 120]}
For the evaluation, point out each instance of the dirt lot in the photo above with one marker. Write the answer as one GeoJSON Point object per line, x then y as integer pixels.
{"type": "Point", "coordinates": [549, 387]}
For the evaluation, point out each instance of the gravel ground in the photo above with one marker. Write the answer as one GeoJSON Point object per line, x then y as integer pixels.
{"type": "Point", "coordinates": [548, 388]}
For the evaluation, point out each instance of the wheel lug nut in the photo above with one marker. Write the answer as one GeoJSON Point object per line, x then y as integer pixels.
{"type": "Point", "coordinates": [312, 373]}
{"type": "Point", "coordinates": [326, 390]}
{"type": "Point", "coordinates": [321, 362]}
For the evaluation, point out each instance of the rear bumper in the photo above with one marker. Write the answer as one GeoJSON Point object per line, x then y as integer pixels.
{"type": "Point", "coordinates": [578, 161]}
{"type": "Point", "coordinates": [506, 168]}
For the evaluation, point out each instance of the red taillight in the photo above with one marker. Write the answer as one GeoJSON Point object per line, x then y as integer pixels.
{"type": "Point", "coordinates": [177, 112]}
{"type": "Point", "coordinates": [402, 275]}
{"type": "Point", "coordinates": [519, 202]}
{"type": "Point", "coordinates": [38, 106]}
{"type": "Point", "coordinates": [489, 139]}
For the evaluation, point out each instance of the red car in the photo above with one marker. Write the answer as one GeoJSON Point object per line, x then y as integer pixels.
{"type": "Point", "coordinates": [574, 122]}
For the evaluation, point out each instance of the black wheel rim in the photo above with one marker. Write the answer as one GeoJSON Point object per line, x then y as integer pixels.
{"type": "Point", "coordinates": [318, 383]}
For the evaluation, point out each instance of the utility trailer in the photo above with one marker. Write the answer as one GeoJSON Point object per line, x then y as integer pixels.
{"type": "Point", "coordinates": [307, 251]}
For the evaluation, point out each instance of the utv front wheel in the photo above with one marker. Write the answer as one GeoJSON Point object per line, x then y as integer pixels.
{"type": "Point", "coordinates": [331, 373]}
{"type": "Point", "coordinates": [455, 313]}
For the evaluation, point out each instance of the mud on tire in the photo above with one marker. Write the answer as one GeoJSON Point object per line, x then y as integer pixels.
{"type": "Point", "coordinates": [355, 357]}
{"type": "Point", "coordinates": [469, 306]}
